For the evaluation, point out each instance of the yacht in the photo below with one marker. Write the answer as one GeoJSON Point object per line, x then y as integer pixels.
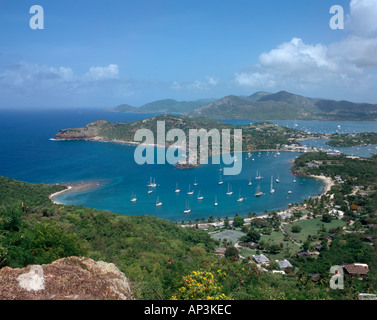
{"type": "Point", "coordinates": [158, 202]}
{"type": "Point", "coordinates": [152, 184]}
{"type": "Point", "coordinates": [240, 199]}
{"type": "Point", "coordinates": [133, 198]}
{"type": "Point", "coordinates": [258, 193]}
{"type": "Point", "coordinates": [272, 190]}
{"type": "Point", "coordinates": [190, 192]}
{"type": "Point", "coordinates": [150, 191]}
{"type": "Point", "coordinates": [220, 179]}
{"type": "Point", "coordinates": [230, 192]}
{"type": "Point", "coordinates": [187, 210]}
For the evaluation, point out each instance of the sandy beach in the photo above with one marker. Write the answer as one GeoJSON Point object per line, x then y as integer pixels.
{"type": "Point", "coordinates": [73, 188]}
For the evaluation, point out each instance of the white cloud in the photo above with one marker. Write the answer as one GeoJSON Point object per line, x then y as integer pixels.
{"type": "Point", "coordinates": [296, 56]}
{"type": "Point", "coordinates": [195, 85]}
{"type": "Point", "coordinates": [350, 63]}
{"type": "Point", "coordinates": [254, 79]}
{"type": "Point", "coordinates": [103, 73]}
{"type": "Point", "coordinates": [362, 18]}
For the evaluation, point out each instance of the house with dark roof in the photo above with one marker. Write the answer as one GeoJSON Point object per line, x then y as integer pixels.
{"type": "Point", "coordinates": [356, 269]}
{"type": "Point", "coordinates": [302, 254]}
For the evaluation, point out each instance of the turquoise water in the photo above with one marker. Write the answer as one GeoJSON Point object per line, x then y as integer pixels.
{"type": "Point", "coordinates": [28, 154]}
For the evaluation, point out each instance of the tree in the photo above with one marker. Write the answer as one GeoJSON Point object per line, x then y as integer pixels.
{"type": "Point", "coordinates": [238, 221]}
{"type": "Point", "coordinates": [296, 228]}
{"type": "Point", "coordinates": [231, 252]}
{"type": "Point", "coordinates": [274, 266]}
{"type": "Point", "coordinates": [253, 235]}
{"type": "Point", "coordinates": [226, 223]}
{"type": "Point", "coordinates": [327, 218]}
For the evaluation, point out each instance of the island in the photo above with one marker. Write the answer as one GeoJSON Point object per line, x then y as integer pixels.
{"type": "Point", "coordinates": [260, 136]}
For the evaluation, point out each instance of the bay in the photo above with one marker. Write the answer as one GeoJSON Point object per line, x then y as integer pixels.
{"type": "Point", "coordinates": [28, 154]}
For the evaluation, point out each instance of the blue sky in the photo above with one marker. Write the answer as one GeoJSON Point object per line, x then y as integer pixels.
{"type": "Point", "coordinates": [104, 53]}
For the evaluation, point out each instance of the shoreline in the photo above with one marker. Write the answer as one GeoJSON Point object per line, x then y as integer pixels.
{"type": "Point", "coordinates": [328, 184]}
{"type": "Point", "coordinates": [74, 187]}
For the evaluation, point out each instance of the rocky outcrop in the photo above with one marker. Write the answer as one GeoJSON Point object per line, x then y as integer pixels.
{"type": "Point", "coordinates": [73, 278]}
{"type": "Point", "coordinates": [89, 132]}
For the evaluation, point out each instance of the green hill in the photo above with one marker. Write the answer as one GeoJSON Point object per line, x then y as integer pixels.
{"type": "Point", "coordinates": [164, 106]}
{"type": "Point", "coordinates": [256, 136]}
{"type": "Point", "coordinates": [285, 106]}
{"type": "Point", "coordinates": [152, 252]}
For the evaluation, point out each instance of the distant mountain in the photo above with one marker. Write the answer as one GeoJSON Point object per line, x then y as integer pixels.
{"type": "Point", "coordinates": [285, 106]}
{"type": "Point", "coordinates": [261, 105]}
{"type": "Point", "coordinates": [165, 106]}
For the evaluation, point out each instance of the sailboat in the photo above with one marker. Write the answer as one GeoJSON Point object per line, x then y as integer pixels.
{"type": "Point", "coordinates": [230, 192]}
{"type": "Point", "coordinates": [195, 183]}
{"type": "Point", "coordinates": [250, 183]}
{"type": "Point", "coordinates": [258, 176]}
{"type": "Point", "coordinates": [150, 191]}
{"type": "Point", "coordinates": [187, 210]}
{"type": "Point", "coordinates": [272, 190]}
{"type": "Point", "coordinates": [177, 189]}
{"type": "Point", "coordinates": [158, 203]}
{"type": "Point", "coordinates": [200, 197]}
{"type": "Point", "coordinates": [277, 179]}
{"type": "Point", "coordinates": [216, 203]}
{"type": "Point", "coordinates": [190, 192]}
{"type": "Point", "coordinates": [220, 179]}
{"type": "Point", "coordinates": [152, 184]}
{"type": "Point", "coordinates": [258, 193]}
{"type": "Point", "coordinates": [240, 199]}
{"type": "Point", "coordinates": [133, 198]}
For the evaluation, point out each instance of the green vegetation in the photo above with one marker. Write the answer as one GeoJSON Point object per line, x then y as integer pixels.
{"type": "Point", "coordinates": [164, 106]}
{"type": "Point", "coordinates": [261, 106]}
{"type": "Point", "coordinates": [350, 140]}
{"type": "Point", "coordinates": [159, 256]}
{"type": "Point", "coordinates": [152, 252]}
{"type": "Point", "coordinates": [285, 106]}
{"type": "Point", "coordinates": [257, 136]}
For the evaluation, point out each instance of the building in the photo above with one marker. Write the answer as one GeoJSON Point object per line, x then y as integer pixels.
{"type": "Point", "coordinates": [261, 259]}
{"type": "Point", "coordinates": [356, 269]}
{"type": "Point", "coordinates": [220, 251]}
{"type": "Point", "coordinates": [284, 264]}
{"type": "Point", "coordinates": [286, 215]}
{"type": "Point", "coordinates": [302, 254]}
{"type": "Point", "coordinates": [367, 296]}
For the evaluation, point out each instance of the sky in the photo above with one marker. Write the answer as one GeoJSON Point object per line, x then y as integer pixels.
{"type": "Point", "coordinates": [100, 54]}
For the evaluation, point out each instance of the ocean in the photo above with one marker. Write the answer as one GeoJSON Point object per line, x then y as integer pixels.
{"type": "Point", "coordinates": [28, 154]}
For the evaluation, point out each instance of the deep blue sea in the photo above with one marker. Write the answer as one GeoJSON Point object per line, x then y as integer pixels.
{"type": "Point", "coordinates": [28, 154]}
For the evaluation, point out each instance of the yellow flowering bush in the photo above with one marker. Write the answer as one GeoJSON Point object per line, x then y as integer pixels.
{"type": "Point", "coordinates": [200, 285]}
